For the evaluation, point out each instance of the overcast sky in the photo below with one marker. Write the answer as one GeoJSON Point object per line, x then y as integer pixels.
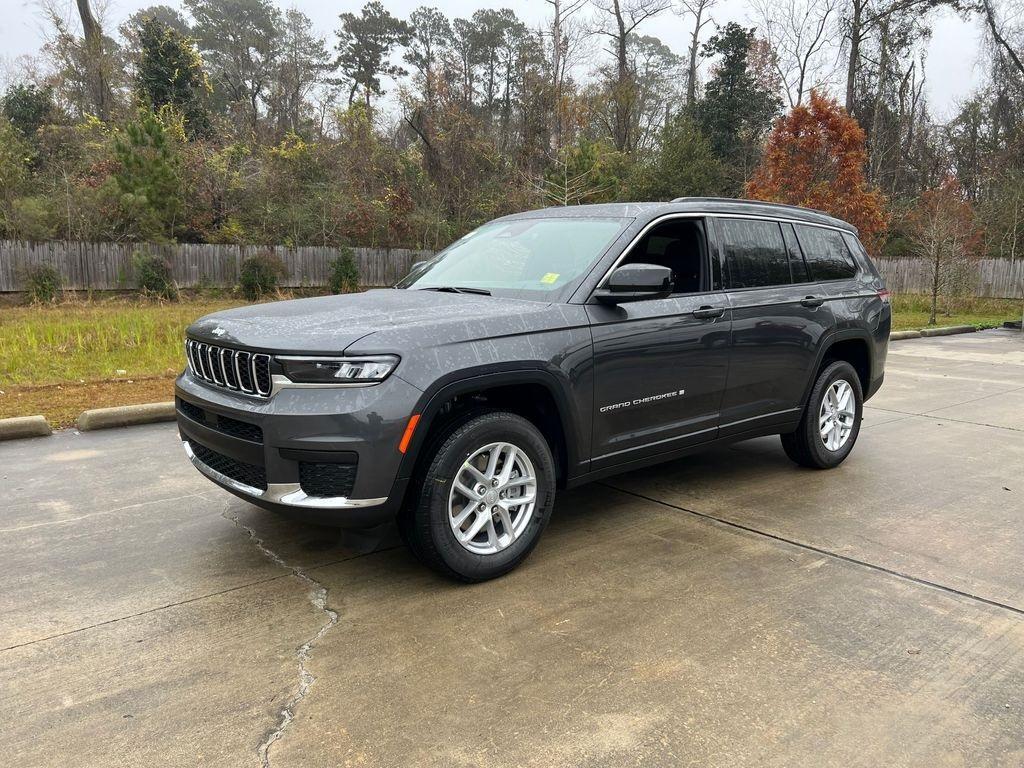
{"type": "Point", "coordinates": [951, 62]}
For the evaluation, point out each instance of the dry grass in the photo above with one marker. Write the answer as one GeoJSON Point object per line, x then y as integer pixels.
{"type": "Point", "coordinates": [62, 403]}
{"type": "Point", "coordinates": [60, 360]}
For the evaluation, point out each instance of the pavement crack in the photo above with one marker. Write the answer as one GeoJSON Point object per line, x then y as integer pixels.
{"type": "Point", "coordinates": [98, 513]}
{"type": "Point", "coordinates": [178, 603]}
{"type": "Point", "coordinates": [932, 415]}
{"type": "Point", "coordinates": [903, 576]}
{"type": "Point", "coordinates": [318, 597]}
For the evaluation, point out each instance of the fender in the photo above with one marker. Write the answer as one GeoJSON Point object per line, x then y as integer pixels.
{"type": "Point", "coordinates": [463, 382]}
{"type": "Point", "coordinates": [826, 344]}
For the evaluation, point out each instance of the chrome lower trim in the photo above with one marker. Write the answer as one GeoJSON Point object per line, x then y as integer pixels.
{"type": "Point", "coordinates": [286, 494]}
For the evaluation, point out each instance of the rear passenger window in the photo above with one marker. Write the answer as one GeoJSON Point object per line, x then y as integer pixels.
{"type": "Point", "coordinates": [826, 253]}
{"type": "Point", "coordinates": [755, 253]}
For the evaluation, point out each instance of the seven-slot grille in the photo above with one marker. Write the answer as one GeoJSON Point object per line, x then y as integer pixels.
{"type": "Point", "coordinates": [234, 369]}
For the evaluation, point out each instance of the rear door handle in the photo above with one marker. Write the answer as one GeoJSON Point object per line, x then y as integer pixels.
{"type": "Point", "coordinates": [709, 312]}
{"type": "Point", "coordinates": [812, 301]}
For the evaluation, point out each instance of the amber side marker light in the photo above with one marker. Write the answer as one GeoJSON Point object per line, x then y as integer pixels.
{"type": "Point", "coordinates": [407, 435]}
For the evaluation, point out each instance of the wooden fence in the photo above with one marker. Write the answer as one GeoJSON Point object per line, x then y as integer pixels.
{"type": "Point", "coordinates": [108, 266]}
{"type": "Point", "coordinates": [993, 278]}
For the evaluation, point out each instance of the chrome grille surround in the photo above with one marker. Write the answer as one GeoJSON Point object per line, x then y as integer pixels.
{"type": "Point", "coordinates": [233, 369]}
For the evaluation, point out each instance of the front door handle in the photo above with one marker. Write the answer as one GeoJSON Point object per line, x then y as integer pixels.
{"type": "Point", "coordinates": [709, 312]}
{"type": "Point", "coordinates": [812, 301]}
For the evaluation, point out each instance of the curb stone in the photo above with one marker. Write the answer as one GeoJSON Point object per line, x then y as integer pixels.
{"type": "Point", "coordinates": [24, 426]}
{"type": "Point", "coordinates": [948, 330]}
{"type": "Point", "coordinates": [125, 416]}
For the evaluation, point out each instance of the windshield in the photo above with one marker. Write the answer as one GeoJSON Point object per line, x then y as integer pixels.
{"type": "Point", "coordinates": [528, 258]}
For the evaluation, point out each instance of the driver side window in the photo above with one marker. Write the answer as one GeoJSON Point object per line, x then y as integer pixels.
{"type": "Point", "coordinates": [680, 245]}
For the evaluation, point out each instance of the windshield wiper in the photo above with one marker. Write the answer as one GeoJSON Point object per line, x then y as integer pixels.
{"type": "Point", "coordinates": [457, 289]}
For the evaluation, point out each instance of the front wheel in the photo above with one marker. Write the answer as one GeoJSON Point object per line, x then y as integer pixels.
{"type": "Point", "coordinates": [831, 420]}
{"type": "Point", "coordinates": [484, 498]}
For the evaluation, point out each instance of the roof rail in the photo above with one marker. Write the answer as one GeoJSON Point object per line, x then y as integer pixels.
{"type": "Point", "coordinates": [748, 201]}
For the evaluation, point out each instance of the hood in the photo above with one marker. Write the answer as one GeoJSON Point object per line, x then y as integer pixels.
{"type": "Point", "coordinates": [331, 324]}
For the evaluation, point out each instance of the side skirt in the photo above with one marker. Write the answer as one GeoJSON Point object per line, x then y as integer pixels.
{"type": "Point", "coordinates": [660, 458]}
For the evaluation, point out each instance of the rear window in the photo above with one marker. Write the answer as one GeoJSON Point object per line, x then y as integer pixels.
{"type": "Point", "coordinates": [860, 253]}
{"type": "Point", "coordinates": [826, 253]}
{"type": "Point", "coordinates": [755, 253]}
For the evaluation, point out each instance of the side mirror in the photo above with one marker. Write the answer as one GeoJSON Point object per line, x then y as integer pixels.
{"type": "Point", "coordinates": [636, 282]}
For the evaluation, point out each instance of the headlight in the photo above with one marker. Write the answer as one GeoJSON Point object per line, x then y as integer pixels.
{"type": "Point", "coordinates": [338, 370]}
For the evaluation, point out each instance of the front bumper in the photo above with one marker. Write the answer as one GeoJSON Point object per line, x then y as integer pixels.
{"type": "Point", "coordinates": [327, 455]}
{"type": "Point", "coordinates": [285, 494]}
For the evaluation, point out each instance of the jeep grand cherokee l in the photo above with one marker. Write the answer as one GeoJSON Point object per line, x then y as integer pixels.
{"type": "Point", "coordinates": [542, 350]}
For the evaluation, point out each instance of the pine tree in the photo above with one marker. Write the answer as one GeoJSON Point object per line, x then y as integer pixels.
{"type": "Point", "coordinates": [148, 178]}
{"type": "Point", "coordinates": [169, 71]}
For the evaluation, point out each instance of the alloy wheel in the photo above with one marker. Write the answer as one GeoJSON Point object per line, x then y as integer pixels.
{"type": "Point", "coordinates": [492, 498]}
{"type": "Point", "coordinates": [837, 414]}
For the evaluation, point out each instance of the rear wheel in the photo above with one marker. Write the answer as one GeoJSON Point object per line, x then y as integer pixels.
{"type": "Point", "coordinates": [831, 420]}
{"type": "Point", "coordinates": [483, 499]}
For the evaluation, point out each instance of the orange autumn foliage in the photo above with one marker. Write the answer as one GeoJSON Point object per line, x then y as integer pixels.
{"type": "Point", "coordinates": [815, 157]}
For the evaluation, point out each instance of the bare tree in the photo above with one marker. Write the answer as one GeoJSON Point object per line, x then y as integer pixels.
{"type": "Point", "coordinates": [943, 232]}
{"type": "Point", "coordinates": [701, 12]}
{"type": "Point", "coordinates": [89, 69]}
{"type": "Point", "coordinates": [1000, 36]}
{"type": "Point", "coordinates": [93, 34]}
{"type": "Point", "coordinates": [565, 36]}
{"type": "Point", "coordinates": [622, 19]}
{"type": "Point", "coordinates": [566, 184]}
{"type": "Point", "coordinates": [863, 17]}
{"type": "Point", "coordinates": [801, 34]}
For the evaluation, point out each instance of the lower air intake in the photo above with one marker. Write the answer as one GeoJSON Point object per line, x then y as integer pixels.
{"type": "Point", "coordinates": [327, 480]}
{"type": "Point", "coordinates": [239, 471]}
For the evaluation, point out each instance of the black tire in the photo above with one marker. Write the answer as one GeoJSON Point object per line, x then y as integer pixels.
{"type": "Point", "coordinates": [424, 524]}
{"type": "Point", "coordinates": [805, 446]}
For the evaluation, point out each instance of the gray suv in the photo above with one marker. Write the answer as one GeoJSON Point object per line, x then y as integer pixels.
{"type": "Point", "coordinates": [540, 351]}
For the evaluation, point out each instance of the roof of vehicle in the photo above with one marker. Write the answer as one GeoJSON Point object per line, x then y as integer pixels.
{"type": "Point", "coordinates": [690, 205]}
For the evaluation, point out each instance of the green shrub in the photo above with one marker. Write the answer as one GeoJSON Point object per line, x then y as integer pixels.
{"type": "Point", "coordinates": [153, 273]}
{"type": "Point", "coordinates": [32, 218]}
{"type": "Point", "coordinates": [260, 274]}
{"type": "Point", "coordinates": [344, 274]}
{"type": "Point", "coordinates": [42, 283]}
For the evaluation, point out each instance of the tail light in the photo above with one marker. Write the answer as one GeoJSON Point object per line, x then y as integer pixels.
{"type": "Point", "coordinates": [884, 295]}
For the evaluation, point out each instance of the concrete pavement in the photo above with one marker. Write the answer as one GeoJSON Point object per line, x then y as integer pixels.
{"type": "Point", "coordinates": [728, 609]}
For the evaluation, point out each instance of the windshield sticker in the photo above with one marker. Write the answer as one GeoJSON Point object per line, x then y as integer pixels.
{"type": "Point", "coordinates": [550, 278]}
{"type": "Point", "coordinates": [642, 401]}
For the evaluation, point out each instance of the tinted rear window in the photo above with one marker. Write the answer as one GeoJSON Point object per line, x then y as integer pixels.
{"type": "Point", "coordinates": [860, 253]}
{"type": "Point", "coordinates": [755, 253]}
{"type": "Point", "coordinates": [826, 253]}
